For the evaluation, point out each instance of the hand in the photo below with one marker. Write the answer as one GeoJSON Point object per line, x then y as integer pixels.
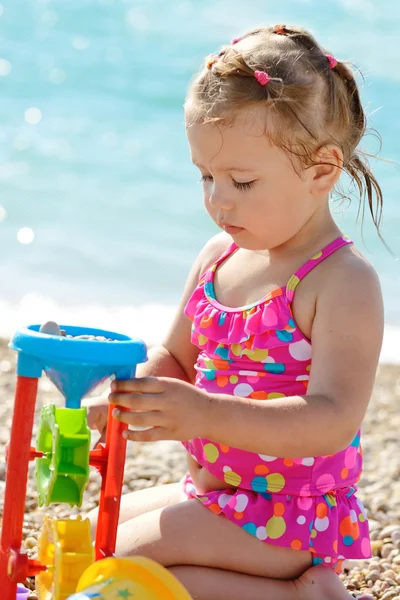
{"type": "Point", "coordinates": [173, 409]}
{"type": "Point", "coordinates": [97, 412]}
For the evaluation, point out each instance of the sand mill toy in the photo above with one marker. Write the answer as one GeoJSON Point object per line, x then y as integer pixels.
{"type": "Point", "coordinates": [76, 361]}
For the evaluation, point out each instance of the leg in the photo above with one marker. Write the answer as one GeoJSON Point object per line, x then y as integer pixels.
{"type": "Point", "coordinates": [142, 501]}
{"type": "Point", "coordinates": [204, 583]}
{"type": "Point", "coordinates": [189, 534]}
{"type": "Point", "coordinates": [193, 542]}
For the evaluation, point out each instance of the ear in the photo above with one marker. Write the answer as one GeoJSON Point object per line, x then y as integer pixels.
{"type": "Point", "coordinates": [326, 170]}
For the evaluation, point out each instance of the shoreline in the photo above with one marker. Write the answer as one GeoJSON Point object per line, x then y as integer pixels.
{"type": "Point", "coordinates": [163, 462]}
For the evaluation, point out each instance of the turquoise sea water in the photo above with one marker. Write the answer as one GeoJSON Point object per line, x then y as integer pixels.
{"type": "Point", "coordinates": [94, 160]}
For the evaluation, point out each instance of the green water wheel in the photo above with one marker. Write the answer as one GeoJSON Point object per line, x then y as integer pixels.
{"type": "Point", "coordinates": [64, 438]}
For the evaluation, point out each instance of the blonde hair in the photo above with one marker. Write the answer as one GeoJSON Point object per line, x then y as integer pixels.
{"type": "Point", "coordinates": [308, 95]}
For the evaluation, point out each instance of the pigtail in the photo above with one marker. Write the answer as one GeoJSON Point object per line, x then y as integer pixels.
{"type": "Point", "coordinates": [368, 187]}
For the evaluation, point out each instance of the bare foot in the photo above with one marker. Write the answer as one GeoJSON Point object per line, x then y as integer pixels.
{"type": "Point", "coordinates": [321, 583]}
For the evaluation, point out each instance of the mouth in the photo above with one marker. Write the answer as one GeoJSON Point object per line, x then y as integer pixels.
{"type": "Point", "coordinates": [231, 229]}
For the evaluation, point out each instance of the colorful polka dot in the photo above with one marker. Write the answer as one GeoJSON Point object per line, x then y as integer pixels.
{"type": "Point", "coordinates": [211, 453]}
{"type": "Point", "coordinates": [321, 524]}
{"type": "Point", "coordinates": [261, 395]}
{"type": "Point", "coordinates": [296, 544]}
{"type": "Point", "coordinates": [241, 502]}
{"type": "Point", "coordinates": [283, 335]}
{"type": "Point", "coordinates": [300, 350]}
{"type": "Point", "coordinates": [321, 510]}
{"type": "Point", "coordinates": [261, 470]}
{"type": "Point", "coordinates": [276, 368]}
{"type": "Point", "coordinates": [275, 395]}
{"type": "Point", "coordinates": [206, 321]}
{"type": "Point", "coordinates": [350, 457]}
{"type": "Point", "coordinates": [224, 499]}
{"type": "Point", "coordinates": [279, 509]}
{"type": "Point", "coordinates": [304, 503]}
{"type": "Point", "coordinates": [325, 483]}
{"type": "Point", "coordinates": [222, 351]}
{"type": "Point", "coordinates": [301, 520]}
{"type": "Point", "coordinates": [261, 533]}
{"type": "Point", "coordinates": [257, 355]}
{"type": "Point", "coordinates": [243, 390]}
{"type": "Point", "coordinates": [269, 317]}
{"type": "Point", "coordinates": [275, 482]}
{"type": "Point", "coordinates": [222, 381]}
{"type": "Point", "coordinates": [366, 547]}
{"type": "Point", "coordinates": [259, 484]}
{"type": "Point", "coordinates": [267, 458]}
{"type": "Point", "coordinates": [276, 527]}
{"type": "Point", "coordinates": [250, 528]}
{"type": "Point", "coordinates": [232, 478]}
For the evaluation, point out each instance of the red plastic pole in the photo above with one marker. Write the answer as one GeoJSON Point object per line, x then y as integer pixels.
{"type": "Point", "coordinates": [16, 479]}
{"type": "Point", "coordinates": [111, 488]}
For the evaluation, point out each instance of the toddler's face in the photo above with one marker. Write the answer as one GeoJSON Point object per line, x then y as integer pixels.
{"type": "Point", "coordinates": [251, 188]}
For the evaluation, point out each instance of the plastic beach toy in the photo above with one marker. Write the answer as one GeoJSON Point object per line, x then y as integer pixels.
{"type": "Point", "coordinates": [22, 592]}
{"type": "Point", "coordinates": [136, 578]}
{"type": "Point", "coordinates": [76, 360]}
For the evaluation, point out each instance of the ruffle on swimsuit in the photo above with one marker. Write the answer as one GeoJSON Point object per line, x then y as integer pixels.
{"type": "Point", "coordinates": [258, 352]}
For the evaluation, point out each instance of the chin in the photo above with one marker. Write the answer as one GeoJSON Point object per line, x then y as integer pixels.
{"type": "Point", "coordinates": [247, 241]}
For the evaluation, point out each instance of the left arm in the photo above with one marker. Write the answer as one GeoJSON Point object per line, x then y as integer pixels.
{"type": "Point", "coordinates": [346, 339]}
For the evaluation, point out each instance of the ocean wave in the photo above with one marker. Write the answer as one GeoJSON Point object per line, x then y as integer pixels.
{"type": "Point", "coordinates": [149, 322]}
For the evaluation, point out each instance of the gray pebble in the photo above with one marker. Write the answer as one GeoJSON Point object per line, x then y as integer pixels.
{"type": "Point", "coordinates": [50, 328]}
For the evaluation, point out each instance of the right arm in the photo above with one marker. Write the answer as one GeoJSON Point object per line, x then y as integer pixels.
{"type": "Point", "coordinates": [176, 356]}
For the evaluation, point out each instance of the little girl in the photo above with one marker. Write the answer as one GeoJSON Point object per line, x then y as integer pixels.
{"type": "Point", "coordinates": [268, 368]}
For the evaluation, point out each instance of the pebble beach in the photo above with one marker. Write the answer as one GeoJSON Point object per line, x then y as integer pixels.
{"type": "Point", "coordinates": [156, 464]}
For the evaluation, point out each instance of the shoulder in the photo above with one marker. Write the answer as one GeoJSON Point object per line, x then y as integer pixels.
{"type": "Point", "coordinates": [349, 296]}
{"type": "Point", "coordinates": [213, 250]}
{"type": "Point", "coordinates": [348, 273]}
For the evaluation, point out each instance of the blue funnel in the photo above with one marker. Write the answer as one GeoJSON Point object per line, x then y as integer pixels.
{"type": "Point", "coordinates": [76, 366]}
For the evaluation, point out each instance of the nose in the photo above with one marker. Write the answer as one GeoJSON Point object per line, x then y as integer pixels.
{"type": "Point", "coordinates": [219, 199]}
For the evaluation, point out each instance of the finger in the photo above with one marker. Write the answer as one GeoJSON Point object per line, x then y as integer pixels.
{"type": "Point", "coordinates": [140, 402]}
{"type": "Point", "coordinates": [144, 385]}
{"type": "Point", "coordinates": [140, 419]}
{"type": "Point", "coordinates": [155, 434]}
{"type": "Point", "coordinates": [101, 439]}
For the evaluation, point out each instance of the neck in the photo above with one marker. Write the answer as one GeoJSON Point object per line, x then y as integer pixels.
{"type": "Point", "coordinates": [317, 232]}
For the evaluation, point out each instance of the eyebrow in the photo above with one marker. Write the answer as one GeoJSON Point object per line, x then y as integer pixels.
{"type": "Point", "coordinates": [233, 168]}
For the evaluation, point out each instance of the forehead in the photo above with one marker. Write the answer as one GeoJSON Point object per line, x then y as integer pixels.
{"type": "Point", "coordinates": [244, 142]}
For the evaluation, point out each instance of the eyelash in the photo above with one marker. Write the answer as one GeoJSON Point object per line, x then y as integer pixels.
{"type": "Point", "coordinates": [240, 185]}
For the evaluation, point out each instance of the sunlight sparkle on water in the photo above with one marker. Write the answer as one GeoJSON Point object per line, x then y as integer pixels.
{"type": "Point", "coordinates": [25, 235]}
{"type": "Point", "coordinates": [33, 115]}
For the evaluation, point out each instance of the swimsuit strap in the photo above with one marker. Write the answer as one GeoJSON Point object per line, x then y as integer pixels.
{"type": "Point", "coordinates": [315, 260]}
{"type": "Point", "coordinates": [212, 268]}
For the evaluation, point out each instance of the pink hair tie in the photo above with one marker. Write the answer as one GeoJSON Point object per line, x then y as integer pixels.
{"type": "Point", "coordinates": [262, 77]}
{"type": "Point", "coordinates": [236, 40]}
{"type": "Point", "coordinates": [332, 61]}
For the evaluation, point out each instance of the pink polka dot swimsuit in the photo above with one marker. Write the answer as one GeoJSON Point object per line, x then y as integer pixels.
{"type": "Point", "coordinates": [258, 352]}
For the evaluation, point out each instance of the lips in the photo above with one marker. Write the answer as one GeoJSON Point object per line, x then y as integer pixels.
{"type": "Point", "coordinates": [231, 229]}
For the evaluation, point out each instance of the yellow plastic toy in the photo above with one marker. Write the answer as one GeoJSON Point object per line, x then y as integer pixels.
{"type": "Point", "coordinates": [136, 578]}
{"type": "Point", "coordinates": [65, 547]}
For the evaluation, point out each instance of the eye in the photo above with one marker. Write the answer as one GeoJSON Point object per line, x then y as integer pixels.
{"type": "Point", "coordinates": [205, 178]}
{"type": "Point", "coordinates": [243, 185]}
{"type": "Point", "coordinates": [239, 185]}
